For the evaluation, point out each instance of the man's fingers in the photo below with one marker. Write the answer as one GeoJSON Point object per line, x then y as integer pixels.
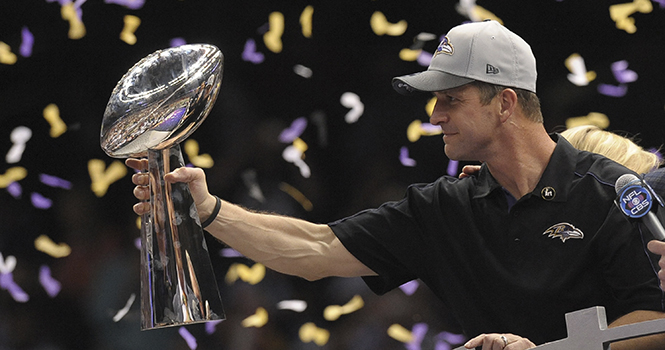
{"type": "Point", "coordinates": [136, 163]}
{"type": "Point", "coordinates": [141, 208]}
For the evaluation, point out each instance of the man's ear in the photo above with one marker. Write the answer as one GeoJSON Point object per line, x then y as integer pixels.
{"type": "Point", "coordinates": [507, 103]}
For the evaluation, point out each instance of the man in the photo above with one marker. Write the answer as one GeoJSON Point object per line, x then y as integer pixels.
{"type": "Point", "coordinates": [533, 236]}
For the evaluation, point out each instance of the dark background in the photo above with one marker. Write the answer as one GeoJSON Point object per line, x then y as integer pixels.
{"type": "Point", "coordinates": [354, 166]}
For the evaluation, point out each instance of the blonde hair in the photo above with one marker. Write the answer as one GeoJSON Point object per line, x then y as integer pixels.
{"type": "Point", "coordinates": [620, 149]}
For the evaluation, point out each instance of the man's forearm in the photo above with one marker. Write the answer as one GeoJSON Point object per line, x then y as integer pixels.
{"type": "Point", "coordinates": [653, 342]}
{"type": "Point", "coordinates": [285, 244]}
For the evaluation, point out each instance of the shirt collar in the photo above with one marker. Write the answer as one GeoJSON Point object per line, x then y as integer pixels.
{"type": "Point", "coordinates": [554, 184]}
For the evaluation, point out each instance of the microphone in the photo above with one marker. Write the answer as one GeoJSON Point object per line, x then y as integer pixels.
{"type": "Point", "coordinates": [635, 199]}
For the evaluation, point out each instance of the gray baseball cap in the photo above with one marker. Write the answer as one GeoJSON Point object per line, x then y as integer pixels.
{"type": "Point", "coordinates": [484, 51]}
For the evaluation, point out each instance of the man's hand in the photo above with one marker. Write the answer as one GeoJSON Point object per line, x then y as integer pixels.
{"type": "Point", "coordinates": [195, 177]}
{"type": "Point", "coordinates": [469, 170]}
{"type": "Point", "coordinates": [500, 342]}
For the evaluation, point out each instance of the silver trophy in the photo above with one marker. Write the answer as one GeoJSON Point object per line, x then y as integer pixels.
{"type": "Point", "coordinates": [156, 105]}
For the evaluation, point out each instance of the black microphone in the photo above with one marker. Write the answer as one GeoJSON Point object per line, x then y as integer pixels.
{"type": "Point", "coordinates": [635, 199]}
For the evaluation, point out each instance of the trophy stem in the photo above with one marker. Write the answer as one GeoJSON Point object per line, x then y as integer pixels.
{"type": "Point", "coordinates": [178, 285]}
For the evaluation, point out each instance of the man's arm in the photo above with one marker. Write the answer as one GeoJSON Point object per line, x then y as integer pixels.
{"type": "Point", "coordinates": [285, 244]}
{"type": "Point", "coordinates": [653, 342]}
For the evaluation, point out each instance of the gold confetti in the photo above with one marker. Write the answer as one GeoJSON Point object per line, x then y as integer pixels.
{"type": "Point", "coordinates": [199, 160]}
{"type": "Point", "coordinates": [381, 26]}
{"type": "Point", "coordinates": [333, 312]}
{"type": "Point", "coordinates": [44, 244]}
{"type": "Point", "coordinates": [309, 332]}
{"type": "Point", "coordinates": [429, 108]}
{"type": "Point", "coordinates": [258, 320]}
{"type": "Point", "coordinates": [409, 55]}
{"type": "Point", "coordinates": [131, 24]}
{"type": "Point", "coordinates": [12, 174]}
{"type": "Point", "coordinates": [579, 75]}
{"type": "Point", "coordinates": [52, 115]}
{"type": "Point", "coordinates": [399, 333]}
{"type": "Point", "coordinates": [300, 145]}
{"type": "Point", "coordinates": [306, 21]}
{"type": "Point", "coordinates": [620, 13]}
{"type": "Point", "coordinates": [103, 177]}
{"type": "Point", "coordinates": [252, 275]}
{"type": "Point", "coordinates": [415, 130]}
{"type": "Point", "coordinates": [479, 13]}
{"type": "Point", "coordinates": [6, 54]}
{"type": "Point", "coordinates": [273, 37]}
{"type": "Point", "coordinates": [297, 195]}
{"type": "Point", "coordinates": [76, 27]}
{"type": "Point", "coordinates": [594, 118]}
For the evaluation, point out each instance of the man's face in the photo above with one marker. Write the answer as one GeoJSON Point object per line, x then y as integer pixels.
{"type": "Point", "coordinates": [467, 125]}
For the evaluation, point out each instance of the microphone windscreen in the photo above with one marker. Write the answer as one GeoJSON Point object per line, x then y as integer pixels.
{"type": "Point", "coordinates": [624, 180]}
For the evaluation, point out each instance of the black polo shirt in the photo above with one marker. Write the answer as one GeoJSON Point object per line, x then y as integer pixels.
{"type": "Point", "coordinates": [511, 266]}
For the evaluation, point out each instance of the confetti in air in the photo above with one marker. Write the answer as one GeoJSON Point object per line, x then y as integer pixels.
{"type": "Point", "coordinates": [6, 55]}
{"type": "Point", "coordinates": [258, 320]}
{"type": "Point", "coordinates": [351, 100]}
{"type": "Point", "coordinates": [50, 284]}
{"type": "Point", "coordinates": [294, 131]}
{"type": "Point", "coordinates": [297, 195]}
{"type": "Point", "coordinates": [306, 21]}
{"type": "Point", "coordinates": [293, 305]}
{"type": "Point", "coordinates": [399, 333]}
{"type": "Point", "coordinates": [453, 166]}
{"type": "Point", "coordinates": [620, 13]}
{"type": "Point", "coordinates": [410, 287]}
{"type": "Point", "coordinates": [381, 26]}
{"type": "Point", "coordinates": [44, 244]}
{"type": "Point", "coordinates": [594, 118]}
{"type": "Point", "coordinates": [613, 90]}
{"type": "Point", "coordinates": [130, 4]}
{"type": "Point", "coordinates": [27, 41]}
{"type": "Point", "coordinates": [309, 332]}
{"type": "Point", "coordinates": [19, 137]}
{"type": "Point", "coordinates": [54, 181]}
{"type": "Point", "coordinates": [333, 312]}
{"type": "Point", "coordinates": [404, 157]}
{"type": "Point", "coordinates": [39, 201]}
{"type": "Point", "coordinates": [251, 275]}
{"type": "Point", "coordinates": [273, 37]}
{"type": "Point", "coordinates": [578, 73]}
{"type": "Point", "coordinates": [132, 23]}
{"type": "Point", "coordinates": [211, 326]}
{"type": "Point", "coordinates": [122, 312]}
{"type": "Point", "coordinates": [621, 72]}
{"type": "Point", "coordinates": [12, 175]}
{"type": "Point", "coordinates": [188, 337]}
{"type": "Point", "coordinates": [101, 177]}
{"type": "Point", "coordinates": [302, 71]}
{"type": "Point", "coordinates": [69, 13]}
{"type": "Point", "coordinates": [294, 154]}
{"type": "Point", "coordinates": [417, 129]}
{"type": "Point", "coordinates": [199, 160]}
{"type": "Point", "coordinates": [7, 283]}
{"type": "Point", "coordinates": [250, 54]}
{"type": "Point", "coordinates": [249, 178]}
{"type": "Point", "coordinates": [52, 115]}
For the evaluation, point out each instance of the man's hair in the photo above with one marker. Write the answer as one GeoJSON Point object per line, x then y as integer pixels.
{"type": "Point", "coordinates": [527, 100]}
{"type": "Point", "coordinates": [623, 150]}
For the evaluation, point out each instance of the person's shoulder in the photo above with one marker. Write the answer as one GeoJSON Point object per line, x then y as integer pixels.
{"type": "Point", "coordinates": [600, 168]}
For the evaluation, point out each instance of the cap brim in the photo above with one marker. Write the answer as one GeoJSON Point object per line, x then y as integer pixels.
{"type": "Point", "coordinates": [428, 81]}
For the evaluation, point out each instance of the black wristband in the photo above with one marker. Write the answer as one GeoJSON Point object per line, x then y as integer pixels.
{"type": "Point", "coordinates": [212, 216]}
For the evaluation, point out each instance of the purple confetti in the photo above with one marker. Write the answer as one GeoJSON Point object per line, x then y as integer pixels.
{"type": "Point", "coordinates": [404, 157]}
{"type": "Point", "coordinates": [130, 4]}
{"type": "Point", "coordinates": [410, 287]}
{"type": "Point", "coordinates": [250, 54]}
{"type": "Point", "coordinates": [418, 331]}
{"type": "Point", "coordinates": [661, 2]}
{"type": "Point", "coordinates": [230, 253]}
{"type": "Point", "coordinates": [15, 189]}
{"type": "Point", "coordinates": [54, 181]}
{"type": "Point", "coordinates": [622, 73]}
{"type": "Point", "coordinates": [7, 283]}
{"type": "Point", "coordinates": [453, 167]}
{"type": "Point", "coordinates": [294, 131]}
{"type": "Point", "coordinates": [137, 243]}
{"type": "Point", "coordinates": [611, 90]}
{"type": "Point", "coordinates": [39, 201]}
{"type": "Point", "coordinates": [211, 326]}
{"type": "Point", "coordinates": [424, 59]}
{"type": "Point", "coordinates": [27, 40]}
{"type": "Point", "coordinates": [189, 338]}
{"type": "Point", "coordinates": [430, 128]}
{"type": "Point", "coordinates": [51, 286]}
{"type": "Point", "coordinates": [451, 338]}
{"type": "Point", "coordinates": [175, 42]}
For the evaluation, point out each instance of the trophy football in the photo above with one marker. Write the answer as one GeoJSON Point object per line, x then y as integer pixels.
{"type": "Point", "coordinates": [156, 105]}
